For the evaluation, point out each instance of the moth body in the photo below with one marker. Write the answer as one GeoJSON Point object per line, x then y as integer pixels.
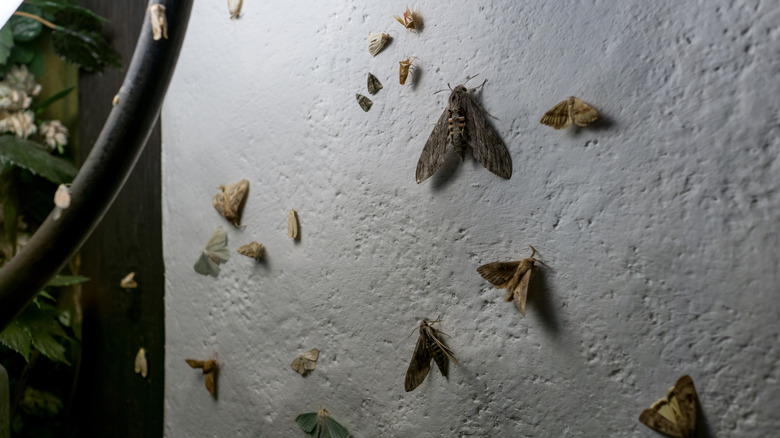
{"type": "Point", "coordinates": [457, 122]}
{"type": "Point", "coordinates": [405, 68]}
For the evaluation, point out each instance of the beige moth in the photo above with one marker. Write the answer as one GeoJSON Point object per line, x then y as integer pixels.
{"type": "Point", "coordinates": [571, 110]}
{"type": "Point", "coordinates": [306, 361]}
{"type": "Point", "coordinates": [377, 42]}
{"type": "Point", "coordinates": [209, 368]}
{"type": "Point", "coordinates": [141, 366]}
{"type": "Point", "coordinates": [292, 225]}
{"type": "Point", "coordinates": [159, 21]}
{"type": "Point", "coordinates": [234, 6]}
{"type": "Point", "coordinates": [128, 281]}
{"type": "Point", "coordinates": [675, 414]}
{"type": "Point", "coordinates": [253, 250]}
{"type": "Point", "coordinates": [512, 276]}
{"type": "Point", "coordinates": [230, 199]}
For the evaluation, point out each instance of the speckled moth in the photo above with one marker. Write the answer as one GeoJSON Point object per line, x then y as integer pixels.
{"type": "Point", "coordinates": [430, 346]}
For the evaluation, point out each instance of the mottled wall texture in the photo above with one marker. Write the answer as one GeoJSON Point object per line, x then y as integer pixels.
{"type": "Point", "coordinates": [659, 223]}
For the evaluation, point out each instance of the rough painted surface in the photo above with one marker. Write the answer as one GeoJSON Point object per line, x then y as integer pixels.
{"type": "Point", "coordinates": [660, 225]}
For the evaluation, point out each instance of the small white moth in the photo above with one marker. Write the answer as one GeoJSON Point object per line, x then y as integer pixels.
{"type": "Point", "coordinates": [377, 42]}
{"type": "Point", "coordinates": [61, 200]}
{"type": "Point", "coordinates": [159, 21]}
{"type": "Point", "coordinates": [292, 225]}
{"type": "Point", "coordinates": [141, 367]}
{"type": "Point", "coordinates": [234, 6]}
{"type": "Point", "coordinates": [215, 252]}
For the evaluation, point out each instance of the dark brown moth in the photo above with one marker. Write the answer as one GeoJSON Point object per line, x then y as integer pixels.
{"type": "Point", "coordinates": [463, 123]}
{"type": "Point", "coordinates": [253, 250]}
{"type": "Point", "coordinates": [675, 414]}
{"type": "Point", "coordinates": [512, 276]}
{"type": "Point", "coordinates": [430, 346]}
{"type": "Point", "coordinates": [405, 69]}
{"type": "Point", "coordinates": [364, 102]}
{"type": "Point", "coordinates": [571, 110]}
{"type": "Point", "coordinates": [209, 368]}
{"type": "Point", "coordinates": [373, 84]}
{"type": "Point", "coordinates": [230, 199]}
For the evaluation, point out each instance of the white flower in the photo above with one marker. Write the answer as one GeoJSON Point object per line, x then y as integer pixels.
{"type": "Point", "coordinates": [55, 134]}
{"type": "Point", "coordinates": [12, 99]}
{"type": "Point", "coordinates": [22, 123]}
{"type": "Point", "coordinates": [5, 124]}
{"type": "Point", "coordinates": [21, 79]}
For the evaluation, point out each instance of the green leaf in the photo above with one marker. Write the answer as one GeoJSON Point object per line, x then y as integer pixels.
{"type": "Point", "coordinates": [25, 28]}
{"type": "Point", "coordinates": [41, 323]}
{"type": "Point", "coordinates": [48, 346]}
{"type": "Point", "coordinates": [29, 155]}
{"type": "Point", "coordinates": [6, 43]}
{"type": "Point", "coordinates": [87, 49]}
{"type": "Point", "coordinates": [36, 65]}
{"type": "Point", "coordinates": [57, 7]}
{"type": "Point", "coordinates": [16, 337]}
{"type": "Point", "coordinates": [21, 55]}
{"type": "Point", "coordinates": [66, 280]}
{"type": "Point", "coordinates": [41, 107]}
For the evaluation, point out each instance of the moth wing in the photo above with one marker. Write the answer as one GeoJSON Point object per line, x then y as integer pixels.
{"type": "Point", "coordinates": [582, 114]}
{"type": "Point", "coordinates": [141, 366]}
{"type": "Point", "coordinates": [432, 156]}
{"type": "Point", "coordinates": [498, 273]}
{"type": "Point", "coordinates": [236, 195]}
{"type": "Point", "coordinates": [194, 363]}
{"type": "Point", "coordinates": [558, 116]}
{"type": "Point", "coordinates": [298, 366]}
{"type": "Point", "coordinates": [684, 393]}
{"type": "Point", "coordinates": [128, 281]}
{"type": "Point", "coordinates": [211, 382]}
{"type": "Point", "coordinates": [441, 363]}
{"type": "Point", "coordinates": [206, 266]}
{"type": "Point", "coordinates": [333, 429]}
{"type": "Point", "coordinates": [292, 225]}
{"type": "Point", "coordinates": [419, 366]}
{"type": "Point", "coordinates": [218, 201]}
{"type": "Point", "coordinates": [486, 145]}
{"type": "Point", "coordinates": [311, 355]}
{"type": "Point", "coordinates": [307, 421]}
{"type": "Point", "coordinates": [217, 246]}
{"type": "Point", "coordinates": [521, 292]}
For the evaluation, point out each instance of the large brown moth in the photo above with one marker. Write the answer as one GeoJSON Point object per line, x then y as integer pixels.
{"type": "Point", "coordinates": [306, 362]}
{"type": "Point", "coordinates": [209, 368]}
{"type": "Point", "coordinates": [128, 281]}
{"type": "Point", "coordinates": [141, 366]}
{"type": "Point", "coordinates": [377, 42]}
{"type": "Point", "coordinates": [159, 21]}
{"type": "Point", "coordinates": [364, 102]}
{"type": "Point", "coordinates": [430, 346]}
{"type": "Point", "coordinates": [571, 110]}
{"type": "Point", "coordinates": [234, 6]}
{"type": "Point", "coordinates": [214, 253]}
{"type": "Point", "coordinates": [230, 199]}
{"type": "Point", "coordinates": [410, 20]}
{"type": "Point", "coordinates": [373, 84]}
{"type": "Point", "coordinates": [292, 225]}
{"type": "Point", "coordinates": [405, 69]}
{"type": "Point", "coordinates": [675, 414]}
{"type": "Point", "coordinates": [463, 123]}
{"type": "Point", "coordinates": [512, 276]}
{"type": "Point", "coordinates": [320, 425]}
{"type": "Point", "coordinates": [253, 250]}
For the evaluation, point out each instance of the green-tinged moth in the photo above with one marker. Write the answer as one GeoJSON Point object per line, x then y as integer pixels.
{"type": "Point", "coordinates": [215, 252]}
{"type": "Point", "coordinates": [319, 424]}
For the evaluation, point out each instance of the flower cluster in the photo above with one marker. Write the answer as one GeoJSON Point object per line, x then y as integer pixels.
{"type": "Point", "coordinates": [17, 90]}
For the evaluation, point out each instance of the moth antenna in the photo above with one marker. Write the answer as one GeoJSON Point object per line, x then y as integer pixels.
{"type": "Point", "coordinates": [533, 253]}
{"type": "Point", "coordinates": [443, 89]}
{"type": "Point", "coordinates": [468, 78]}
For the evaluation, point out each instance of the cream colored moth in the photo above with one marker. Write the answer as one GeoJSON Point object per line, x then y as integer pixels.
{"type": "Point", "coordinates": [159, 21]}
{"type": "Point", "coordinates": [512, 276]}
{"type": "Point", "coordinates": [234, 6]}
{"type": "Point", "coordinates": [675, 414]}
{"type": "Point", "coordinates": [141, 366]}
{"type": "Point", "coordinates": [128, 282]}
{"type": "Point", "coordinates": [253, 250]}
{"type": "Point", "coordinates": [377, 42]}
{"type": "Point", "coordinates": [292, 225]}
{"type": "Point", "coordinates": [306, 362]}
{"type": "Point", "coordinates": [571, 110]}
{"type": "Point", "coordinates": [215, 252]}
{"type": "Point", "coordinates": [230, 199]}
{"type": "Point", "coordinates": [61, 200]}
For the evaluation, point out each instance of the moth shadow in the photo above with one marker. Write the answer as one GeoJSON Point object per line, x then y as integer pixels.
{"type": "Point", "coordinates": [702, 427]}
{"type": "Point", "coordinates": [603, 123]}
{"type": "Point", "coordinates": [541, 299]}
{"type": "Point", "coordinates": [417, 75]}
{"type": "Point", "coordinates": [446, 173]}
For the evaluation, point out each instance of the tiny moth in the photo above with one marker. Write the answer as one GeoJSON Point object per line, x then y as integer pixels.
{"type": "Point", "coordinates": [512, 276]}
{"type": "Point", "coordinates": [405, 69]}
{"type": "Point", "coordinates": [410, 20]}
{"type": "Point", "coordinates": [209, 368]}
{"type": "Point", "coordinates": [229, 201]}
{"type": "Point", "coordinates": [141, 367]}
{"type": "Point", "coordinates": [364, 102]}
{"type": "Point", "coordinates": [462, 124]}
{"type": "Point", "coordinates": [159, 21]}
{"type": "Point", "coordinates": [320, 424]}
{"type": "Point", "coordinates": [377, 42]}
{"type": "Point", "coordinates": [306, 362]}
{"type": "Point", "coordinates": [234, 6]}
{"type": "Point", "coordinates": [675, 414]}
{"type": "Point", "coordinates": [373, 84]}
{"type": "Point", "coordinates": [571, 110]}
{"type": "Point", "coordinates": [292, 225]}
{"type": "Point", "coordinates": [253, 250]}
{"type": "Point", "coordinates": [61, 200]}
{"type": "Point", "coordinates": [214, 253]}
{"type": "Point", "coordinates": [430, 346]}
{"type": "Point", "coordinates": [128, 282]}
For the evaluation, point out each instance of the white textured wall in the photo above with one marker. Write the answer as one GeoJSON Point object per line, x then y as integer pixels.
{"type": "Point", "coordinates": [660, 225]}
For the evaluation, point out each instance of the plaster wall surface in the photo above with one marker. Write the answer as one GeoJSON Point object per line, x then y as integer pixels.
{"type": "Point", "coordinates": [659, 224]}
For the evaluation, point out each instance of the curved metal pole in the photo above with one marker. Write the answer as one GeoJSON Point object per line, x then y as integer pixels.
{"type": "Point", "coordinates": [105, 170]}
